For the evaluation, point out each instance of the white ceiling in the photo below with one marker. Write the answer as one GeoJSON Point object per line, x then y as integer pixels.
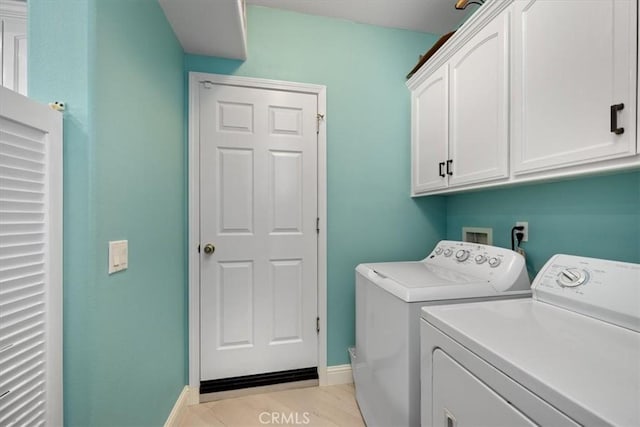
{"type": "Point", "coordinates": [430, 16]}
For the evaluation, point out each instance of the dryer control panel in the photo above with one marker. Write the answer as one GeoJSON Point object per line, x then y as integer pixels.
{"type": "Point", "coordinates": [503, 268]}
{"type": "Point", "coordinates": [603, 289]}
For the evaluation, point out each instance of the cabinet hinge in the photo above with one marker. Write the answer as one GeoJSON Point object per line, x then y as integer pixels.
{"type": "Point", "coordinates": [317, 225]}
{"type": "Point", "coordinates": [318, 118]}
{"type": "Point", "coordinates": [317, 325]}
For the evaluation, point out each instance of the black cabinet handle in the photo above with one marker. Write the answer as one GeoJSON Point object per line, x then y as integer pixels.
{"type": "Point", "coordinates": [440, 166]}
{"type": "Point", "coordinates": [449, 171]}
{"type": "Point", "coordinates": [614, 119]}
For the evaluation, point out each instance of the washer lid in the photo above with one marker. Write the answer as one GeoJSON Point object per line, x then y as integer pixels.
{"type": "Point", "coordinates": [422, 275]}
{"type": "Point", "coordinates": [418, 281]}
{"type": "Point", "coordinates": [586, 368]}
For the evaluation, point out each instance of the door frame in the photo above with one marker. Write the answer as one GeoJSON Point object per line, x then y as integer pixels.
{"type": "Point", "coordinates": [194, 210]}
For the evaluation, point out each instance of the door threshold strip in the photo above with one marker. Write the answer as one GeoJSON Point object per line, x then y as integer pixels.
{"type": "Point", "coordinates": [258, 380]}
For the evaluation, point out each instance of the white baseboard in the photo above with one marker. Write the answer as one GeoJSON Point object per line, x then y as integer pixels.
{"type": "Point", "coordinates": [179, 408]}
{"type": "Point", "coordinates": [339, 374]}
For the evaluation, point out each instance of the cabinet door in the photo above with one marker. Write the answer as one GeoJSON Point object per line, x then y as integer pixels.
{"type": "Point", "coordinates": [479, 121]}
{"type": "Point", "coordinates": [572, 62]}
{"type": "Point", "coordinates": [429, 133]}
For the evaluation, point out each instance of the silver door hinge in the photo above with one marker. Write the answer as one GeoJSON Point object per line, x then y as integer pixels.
{"type": "Point", "coordinates": [318, 225]}
{"type": "Point", "coordinates": [317, 325]}
{"type": "Point", "coordinates": [319, 117]}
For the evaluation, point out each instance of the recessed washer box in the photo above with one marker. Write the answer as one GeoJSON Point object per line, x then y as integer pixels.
{"type": "Point", "coordinates": [482, 235]}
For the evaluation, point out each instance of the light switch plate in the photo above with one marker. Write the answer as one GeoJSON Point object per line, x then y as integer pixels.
{"type": "Point", "coordinates": [118, 255]}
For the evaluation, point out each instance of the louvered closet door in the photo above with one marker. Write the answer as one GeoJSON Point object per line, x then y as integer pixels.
{"type": "Point", "coordinates": [30, 262]}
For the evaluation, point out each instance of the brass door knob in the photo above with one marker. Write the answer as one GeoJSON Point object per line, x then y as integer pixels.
{"type": "Point", "coordinates": [209, 249]}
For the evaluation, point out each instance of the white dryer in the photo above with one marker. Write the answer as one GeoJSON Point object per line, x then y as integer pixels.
{"type": "Point", "coordinates": [389, 296]}
{"type": "Point", "coordinates": [568, 356]}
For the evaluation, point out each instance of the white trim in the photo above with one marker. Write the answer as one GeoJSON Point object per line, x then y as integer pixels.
{"type": "Point", "coordinates": [55, 357]}
{"type": "Point", "coordinates": [178, 408]}
{"type": "Point", "coordinates": [194, 210]}
{"type": "Point", "coordinates": [13, 9]}
{"type": "Point", "coordinates": [339, 374]}
{"type": "Point", "coordinates": [322, 237]}
{"type": "Point", "coordinates": [194, 233]}
{"type": "Point", "coordinates": [195, 77]}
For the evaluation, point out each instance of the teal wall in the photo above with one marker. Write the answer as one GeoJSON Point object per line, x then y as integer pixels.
{"type": "Point", "coordinates": [59, 70]}
{"type": "Point", "coordinates": [596, 217]}
{"type": "Point", "coordinates": [370, 214]}
{"type": "Point", "coordinates": [119, 68]}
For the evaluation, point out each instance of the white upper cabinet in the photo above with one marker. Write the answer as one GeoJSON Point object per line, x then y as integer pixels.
{"type": "Point", "coordinates": [460, 125]}
{"type": "Point", "coordinates": [13, 37]}
{"type": "Point", "coordinates": [430, 130]}
{"type": "Point", "coordinates": [574, 83]}
{"type": "Point", "coordinates": [525, 91]}
{"type": "Point", "coordinates": [478, 101]}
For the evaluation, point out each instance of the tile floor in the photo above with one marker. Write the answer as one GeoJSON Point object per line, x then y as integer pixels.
{"type": "Point", "coordinates": [315, 406]}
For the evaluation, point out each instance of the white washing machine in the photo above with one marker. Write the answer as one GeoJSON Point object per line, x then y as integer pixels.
{"type": "Point", "coordinates": [569, 356]}
{"type": "Point", "coordinates": [389, 296]}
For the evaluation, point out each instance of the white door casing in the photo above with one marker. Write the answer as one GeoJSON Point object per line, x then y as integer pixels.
{"type": "Point", "coordinates": [258, 146]}
{"type": "Point", "coordinates": [13, 46]}
{"type": "Point", "coordinates": [30, 262]}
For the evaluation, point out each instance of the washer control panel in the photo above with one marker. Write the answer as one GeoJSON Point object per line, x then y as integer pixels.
{"type": "Point", "coordinates": [604, 289]}
{"type": "Point", "coordinates": [502, 267]}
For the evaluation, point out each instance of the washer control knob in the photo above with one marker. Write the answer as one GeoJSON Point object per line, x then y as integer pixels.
{"type": "Point", "coordinates": [438, 251]}
{"type": "Point", "coordinates": [462, 255]}
{"type": "Point", "coordinates": [572, 277]}
{"type": "Point", "coordinates": [448, 252]}
{"type": "Point", "coordinates": [494, 262]}
{"type": "Point", "coordinates": [480, 259]}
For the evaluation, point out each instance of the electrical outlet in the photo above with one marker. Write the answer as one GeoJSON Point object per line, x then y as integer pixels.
{"type": "Point", "coordinates": [525, 224]}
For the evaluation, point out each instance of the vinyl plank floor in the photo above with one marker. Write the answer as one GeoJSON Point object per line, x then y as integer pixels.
{"type": "Point", "coordinates": [315, 406]}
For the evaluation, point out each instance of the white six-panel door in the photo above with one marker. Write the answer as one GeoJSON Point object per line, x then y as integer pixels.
{"type": "Point", "coordinates": [258, 208]}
